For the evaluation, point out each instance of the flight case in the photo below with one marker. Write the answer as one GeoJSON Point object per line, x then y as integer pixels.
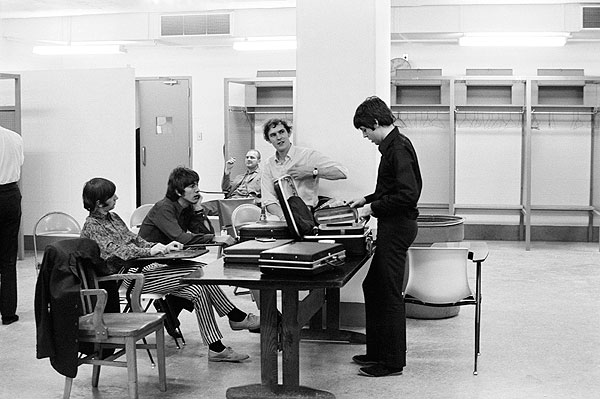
{"type": "Point", "coordinates": [249, 251]}
{"type": "Point", "coordinates": [355, 236]}
{"type": "Point", "coordinates": [302, 257]}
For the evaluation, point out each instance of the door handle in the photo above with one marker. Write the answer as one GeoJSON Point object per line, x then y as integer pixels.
{"type": "Point", "coordinates": [144, 156]}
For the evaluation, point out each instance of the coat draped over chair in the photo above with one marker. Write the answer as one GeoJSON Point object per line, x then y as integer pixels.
{"type": "Point", "coordinates": [58, 303]}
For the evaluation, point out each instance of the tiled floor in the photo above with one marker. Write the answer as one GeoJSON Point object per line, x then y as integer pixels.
{"type": "Point", "coordinates": [540, 339]}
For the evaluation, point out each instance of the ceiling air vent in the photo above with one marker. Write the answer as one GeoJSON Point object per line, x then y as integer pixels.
{"type": "Point", "coordinates": [195, 25]}
{"type": "Point", "coordinates": [591, 18]}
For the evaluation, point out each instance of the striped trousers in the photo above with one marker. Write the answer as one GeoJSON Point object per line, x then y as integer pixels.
{"type": "Point", "coordinates": [165, 279]}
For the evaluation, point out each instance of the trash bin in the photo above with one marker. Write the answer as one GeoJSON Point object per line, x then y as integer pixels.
{"type": "Point", "coordinates": [435, 228]}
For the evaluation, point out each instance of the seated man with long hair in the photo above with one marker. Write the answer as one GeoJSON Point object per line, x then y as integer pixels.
{"type": "Point", "coordinates": [119, 247]}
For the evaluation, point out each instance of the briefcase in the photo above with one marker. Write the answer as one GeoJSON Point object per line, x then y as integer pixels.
{"type": "Point", "coordinates": [249, 251]}
{"type": "Point", "coordinates": [355, 236]}
{"type": "Point", "coordinates": [335, 215]}
{"type": "Point", "coordinates": [301, 257]}
{"type": "Point", "coordinates": [269, 229]}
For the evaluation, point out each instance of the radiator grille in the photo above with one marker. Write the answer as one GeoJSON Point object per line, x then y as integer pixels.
{"type": "Point", "coordinates": [591, 18]}
{"type": "Point", "coordinates": [195, 25]}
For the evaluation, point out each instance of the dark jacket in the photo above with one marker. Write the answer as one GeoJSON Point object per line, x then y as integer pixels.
{"type": "Point", "coordinates": [58, 304]}
{"type": "Point", "coordinates": [168, 221]}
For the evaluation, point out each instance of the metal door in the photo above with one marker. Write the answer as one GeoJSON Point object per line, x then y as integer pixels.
{"type": "Point", "coordinates": [163, 134]}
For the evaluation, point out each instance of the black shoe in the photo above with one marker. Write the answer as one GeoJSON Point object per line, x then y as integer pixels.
{"type": "Point", "coordinates": [379, 370]}
{"type": "Point", "coordinates": [363, 360]}
{"type": "Point", "coordinates": [9, 320]}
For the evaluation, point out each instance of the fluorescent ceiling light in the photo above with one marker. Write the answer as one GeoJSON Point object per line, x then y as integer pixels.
{"type": "Point", "coordinates": [78, 49]}
{"type": "Point", "coordinates": [514, 39]}
{"type": "Point", "coordinates": [266, 43]}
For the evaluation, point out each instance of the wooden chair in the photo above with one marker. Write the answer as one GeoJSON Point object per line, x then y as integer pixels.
{"type": "Point", "coordinates": [438, 277]}
{"type": "Point", "coordinates": [117, 330]}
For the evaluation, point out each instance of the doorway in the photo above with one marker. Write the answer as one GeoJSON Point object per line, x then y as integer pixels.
{"type": "Point", "coordinates": [163, 133]}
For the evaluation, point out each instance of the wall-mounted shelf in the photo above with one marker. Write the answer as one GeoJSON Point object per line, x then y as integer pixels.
{"type": "Point", "coordinates": [249, 103]}
{"type": "Point", "coordinates": [511, 108]}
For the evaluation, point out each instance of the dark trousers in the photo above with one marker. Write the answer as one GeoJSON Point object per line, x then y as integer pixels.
{"type": "Point", "coordinates": [10, 220]}
{"type": "Point", "coordinates": [382, 287]}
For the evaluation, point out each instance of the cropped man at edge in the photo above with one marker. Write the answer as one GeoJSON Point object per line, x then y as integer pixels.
{"type": "Point", "coordinates": [11, 160]}
{"type": "Point", "coordinates": [180, 216]}
{"type": "Point", "coordinates": [305, 165]}
{"type": "Point", "coordinates": [394, 204]}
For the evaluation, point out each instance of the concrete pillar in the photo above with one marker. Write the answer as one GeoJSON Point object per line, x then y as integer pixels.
{"type": "Point", "coordinates": [342, 57]}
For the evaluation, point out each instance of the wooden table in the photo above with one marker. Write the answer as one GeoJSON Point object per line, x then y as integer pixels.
{"type": "Point", "coordinates": [324, 294]}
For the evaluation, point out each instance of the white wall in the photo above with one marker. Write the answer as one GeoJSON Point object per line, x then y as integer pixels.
{"type": "Point", "coordinates": [71, 134]}
{"type": "Point", "coordinates": [208, 67]}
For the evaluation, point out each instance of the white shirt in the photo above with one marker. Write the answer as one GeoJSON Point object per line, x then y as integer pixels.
{"type": "Point", "coordinates": [308, 189]}
{"type": "Point", "coordinates": [11, 156]}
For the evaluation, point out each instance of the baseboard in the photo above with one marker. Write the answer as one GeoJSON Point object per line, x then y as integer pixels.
{"type": "Point", "coordinates": [488, 232]}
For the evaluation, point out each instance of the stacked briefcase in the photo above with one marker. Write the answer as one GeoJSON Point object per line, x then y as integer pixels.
{"type": "Point", "coordinates": [339, 224]}
{"type": "Point", "coordinates": [264, 230]}
{"type": "Point", "coordinates": [322, 244]}
{"type": "Point", "coordinates": [249, 251]}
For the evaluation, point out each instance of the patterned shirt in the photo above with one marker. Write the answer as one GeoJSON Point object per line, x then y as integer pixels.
{"type": "Point", "coordinates": [117, 243]}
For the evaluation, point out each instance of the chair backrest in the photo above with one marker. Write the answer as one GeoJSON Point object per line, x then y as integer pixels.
{"type": "Point", "coordinates": [438, 275]}
{"type": "Point", "coordinates": [138, 215]}
{"type": "Point", "coordinates": [243, 214]}
{"type": "Point", "coordinates": [58, 225]}
{"type": "Point", "coordinates": [226, 208]}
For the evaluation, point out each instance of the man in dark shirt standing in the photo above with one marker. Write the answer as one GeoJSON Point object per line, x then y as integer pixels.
{"type": "Point", "coordinates": [394, 204]}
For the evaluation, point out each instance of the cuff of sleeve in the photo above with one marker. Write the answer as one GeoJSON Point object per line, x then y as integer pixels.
{"type": "Point", "coordinates": [373, 210]}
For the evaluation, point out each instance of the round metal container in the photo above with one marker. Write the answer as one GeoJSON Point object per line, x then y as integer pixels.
{"type": "Point", "coordinates": [435, 228]}
{"type": "Point", "coordinates": [439, 228]}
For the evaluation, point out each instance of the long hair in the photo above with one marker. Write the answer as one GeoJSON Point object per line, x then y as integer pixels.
{"type": "Point", "coordinates": [179, 179]}
{"type": "Point", "coordinates": [96, 190]}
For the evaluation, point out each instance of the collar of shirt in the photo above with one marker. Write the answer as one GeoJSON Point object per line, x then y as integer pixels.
{"type": "Point", "coordinates": [290, 155]}
{"type": "Point", "coordinates": [101, 216]}
{"type": "Point", "coordinates": [388, 140]}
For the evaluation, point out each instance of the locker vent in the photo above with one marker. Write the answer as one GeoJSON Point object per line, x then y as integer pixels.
{"type": "Point", "coordinates": [195, 25]}
{"type": "Point", "coordinates": [591, 17]}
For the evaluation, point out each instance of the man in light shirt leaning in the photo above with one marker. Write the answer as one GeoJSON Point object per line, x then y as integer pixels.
{"type": "Point", "coordinates": [305, 165]}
